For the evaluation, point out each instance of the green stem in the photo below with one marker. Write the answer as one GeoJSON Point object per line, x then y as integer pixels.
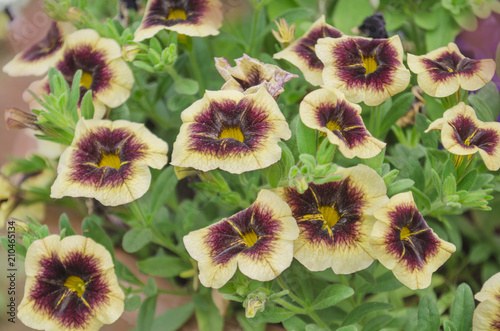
{"type": "Point", "coordinates": [197, 71]}
{"type": "Point", "coordinates": [137, 211]}
{"type": "Point", "coordinates": [289, 306]}
{"type": "Point", "coordinates": [250, 47]}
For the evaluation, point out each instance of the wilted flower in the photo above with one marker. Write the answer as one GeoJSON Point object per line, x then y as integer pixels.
{"type": "Point", "coordinates": [109, 161]}
{"type": "Point", "coordinates": [374, 26]}
{"type": "Point", "coordinates": [257, 240]}
{"type": "Point", "coordinates": [103, 70]}
{"type": "Point", "coordinates": [286, 34]}
{"type": "Point", "coordinates": [197, 18]}
{"type": "Point", "coordinates": [445, 70]}
{"type": "Point", "coordinates": [403, 242]}
{"type": "Point", "coordinates": [301, 53]}
{"type": "Point", "coordinates": [487, 313]}
{"type": "Point", "coordinates": [335, 220]}
{"type": "Point", "coordinates": [328, 111]}
{"type": "Point", "coordinates": [462, 133]}
{"type": "Point", "coordinates": [369, 70]}
{"type": "Point", "coordinates": [250, 74]}
{"type": "Point", "coordinates": [70, 285]}
{"type": "Point", "coordinates": [230, 131]}
{"type": "Point", "coordinates": [18, 119]}
{"type": "Point", "coordinates": [38, 58]}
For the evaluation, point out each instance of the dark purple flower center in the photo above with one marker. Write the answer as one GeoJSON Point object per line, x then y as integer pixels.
{"type": "Point", "coordinates": [306, 47]}
{"type": "Point", "coordinates": [449, 64]}
{"type": "Point", "coordinates": [253, 77]}
{"type": "Point", "coordinates": [70, 290]}
{"type": "Point", "coordinates": [172, 12]}
{"type": "Point", "coordinates": [52, 42]}
{"type": "Point", "coordinates": [468, 134]}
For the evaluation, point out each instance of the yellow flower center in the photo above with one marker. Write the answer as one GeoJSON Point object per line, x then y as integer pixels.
{"type": "Point", "coordinates": [405, 233]}
{"type": "Point", "coordinates": [75, 284]}
{"type": "Point", "coordinates": [332, 126]}
{"type": "Point", "coordinates": [330, 215]}
{"type": "Point", "coordinates": [177, 13]}
{"type": "Point", "coordinates": [370, 64]}
{"type": "Point", "coordinates": [250, 238]}
{"type": "Point", "coordinates": [467, 141]}
{"type": "Point", "coordinates": [234, 133]}
{"type": "Point", "coordinates": [110, 160]}
{"type": "Point", "coordinates": [86, 80]}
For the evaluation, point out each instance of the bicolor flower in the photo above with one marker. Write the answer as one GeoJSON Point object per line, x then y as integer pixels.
{"type": "Point", "coordinates": [335, 220]}
{"type": "Point", "coordinates": [103, 71]}
{"type": "Point", "coordinates": [231, 131]}
{"type": "Point", "coordinates": [403, 242]}
{"type": "Point", "coordinates": [487, 313]}
{"type": "Point", "coordinates": [257, 240]}
{"type": "Point", "coordinates": [368, 70]}
{"type": "Point", "coordinates": [301, 53]}
{"type": "Point", "coordinates": [250, 74]}
{"type": "Point", "coordinates": [445, 70]}
{"type": "Point", "coordinates": [38, 58]}
{"type": "Point", "coordinates": [108, 161]}
{"type": "Point", "coordinates": [462, 133]}
{"type": "Point", "coordinates": [70, 285]}
{"type": "Point", "coordinates": [328, 111]}
{"type": "Point", "coordinates": [196, 18]}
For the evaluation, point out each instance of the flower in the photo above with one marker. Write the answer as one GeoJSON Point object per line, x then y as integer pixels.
{"type": "Point", "coordinates": [103, 71]}
{"type": "Point", "coordinates": [463, 134]}
{"type": "Point", "coordinates": [445, 70]}
{"type": "Point", "coordinates": [286, 34]}
{"type": "Point", "coordinates": [197, 18]}
{"type": "Point", "coordinates": [403, 242]}
{"type": "Point", "coordinates": [301, 53]}
{"type": "Point", "coordinates": [368, 70]}
{"type": "Point", "coordinates": [487, 313]}
{"type": "Point", "coordinates": [258, 240]}
{"type": "Point", "coordinates": [374, 26]}
{"type": "Point", "coordinates": [70, 285]}
{"type": "Point", "coordinates": [328, 111]}
{"type": "Point", "coordinates": [109, 161]}
{"type": "Point", "coordinates": [17, 119]}
{"type": "Point", "coordinates": [250, 74]}
{"type": "Point", "coordinates": [230, 131]}
{"type": "Point", "coordinates": [335, 220]}
{"type": "Point", "coordinates": [38, 58]}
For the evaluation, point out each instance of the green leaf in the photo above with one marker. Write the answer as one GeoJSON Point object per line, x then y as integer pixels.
{"type": "Point", "coordinates": [428, 314]}
{"type": "Point", "coordinates": [123, 273]}
{"type": "Point", "coordinates": [186, 86]}
{"type": "Point", "coordinates": [463, 308]}
{"type": "Point", "coordinates": [466, 20]}
{"type": "Point", "coordinates": [294, 323]}
{"type": "Point", "coordinates": [445, 32]}
{"type": "Point", "coordinates": [449, 326]}
{"type": "Point", "coordinates": [306, 139]}
{"type": "Point", "coordinates": [19, 249]}
{"type": "Point", "coordinates": [377, 323]}
{"type": "Point", "coordinates": [174, 318]}
{"type": "Point", "coordinates": [350, 13]}
{"type": "Point", "coordinates": [326, 152]}
{"type": "Point", "coordinates": [136, 239]}
{"type": "Point", "coordinates": [427, 20]}
{"type": "Point", "coordinates": [480, 253]}
{"type": "Point", "coordinates": [422, 198]}
{"type": "Point", "coordinates": [87, 107]}
{"type": "Point", "coordinates": [429, 139]}
{"type": "Point", "coordinates": [151, 288]}
{"type": "Point", "coordinates": [248, 324]}
{"type": "Point", "coordinates": [132, 302]}
{"type": "Point", "coordinates": [467, 182]}
{"type": "Point", "coordinates": [64, 224]}
{"type": "Point", "coordinates": [332, 295]}
{"type": "Point", "coordinates": [273, 314]}
{"type": "Point", "coordinates": [481, 107]}
{"type": "Point", "coordinates": [449, 185]}
{"type": "Point", "coordinates": [367, 276]}
{"type": "Point", "coordinates": [274, 174]}
{"type": "Point", "coordinates": [287, 158]}
{"type": "Point", "coordinates": [399, 186]}
{"type": "Point", "coordinates": [348, 328]}
{"type": "Point", "coordinates": [399, 108]}
{"type": "Point", "coordinates": [390, 176]}
{"type": "Point", "coordinates": [163, 266]}
{"type": "Point", "coordinates": [147, 314]}
{"type": "Point", "coordinates": [365, 308]}
{"type": "Point", "coordinates": [92, 230]}
{"type": "Point", "coordinates": [207, 314]}
{"type": "Point", "coordinates": [163, 187]}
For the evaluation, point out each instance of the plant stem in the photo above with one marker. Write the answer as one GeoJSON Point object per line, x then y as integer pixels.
{"type": "Point", "coordinates": [137, 211]}
{"type": "Point", "coordinates": [197, 71]}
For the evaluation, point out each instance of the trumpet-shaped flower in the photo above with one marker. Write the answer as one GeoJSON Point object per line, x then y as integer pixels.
{"type": "Point", "coordinates": [230, 131]}
{"type": "Point", "coordinates": [257, 240]}
{"type": "Point", "coordinates": [487, 313]}
{"type": "Point", "coordinates": [301, 53]}
{"type": "Point", "coordinates": [403, 242]}
{"type": "Point", "coordinates": [38, 58]}
{"type": "Point", "coordinates": [103, 71]}
{"type": "Point", "coordinates": [368, 70]}
{"type": "Point", "coordinates": [328, 111]}
{"type": "Point", "coordinates": [335, 220]}
{"type": "Point", "coordinates": [250, 74]}
{"type": "Point", "coordinates": [196, 18]}
{"type": "Point", "coordinates": [109, 161]}
{"type": "Point", "coordinates": [462, 133]}
{"type": "Point", "coordinates": [70, 285]}
{"type": "Point", "coordinates": [445, 70]}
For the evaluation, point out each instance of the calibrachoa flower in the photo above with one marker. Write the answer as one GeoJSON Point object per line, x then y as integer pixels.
{"type": "Point", "coordinates": [70, 285]}
{"type": "Point", "coordinates": [328, 111]}
{"type": "Point", "coordinates": [257, 240]}
{"type": "Point", "coordinates": [369, 70]}
{"type": "Point", "coordinates": [487, 313]}
{"type": "Point", "coordinates": [462, 133]}
{"type": "Point", "coordinates": [38, 58]}
{"type": "Point", "coordinates": [403, 242]}
{"type": "Point", "coordinates": [301, 53]}
{"type": "Point", "coordinates": [109, 161]}
{"type": "Point", "coordinates": [335, 220]}
{"type": "Point", "coordinates": [250, 74]}
{"type": "Point", "coordinates": [103, 70]}
{"type": "Point", "coordinates": [197, 18]}
{"type": "Point", "coordinates": [231, 131]}
{"type": "Point", "coordinates": [445, 70]}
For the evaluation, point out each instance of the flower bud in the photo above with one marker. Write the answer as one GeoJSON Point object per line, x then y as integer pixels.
{"type": "Point", "coordinates": [18, 119]}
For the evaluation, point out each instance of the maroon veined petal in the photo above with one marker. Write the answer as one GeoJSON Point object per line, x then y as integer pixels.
{"type": "Point", "coordinates": [159, 11]}
{"type": "Point", "coordinates": [51, 43]}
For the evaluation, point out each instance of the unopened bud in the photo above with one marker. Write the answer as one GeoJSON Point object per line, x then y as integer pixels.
{"type": "Point", "coordinates": [18, 119]}
{"type": "Point", "coordinates": [255, 302]}
{"type": "Point", "coordinates": [130, 51]}
{"type": "Point", "coordinates": [75, 14]}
